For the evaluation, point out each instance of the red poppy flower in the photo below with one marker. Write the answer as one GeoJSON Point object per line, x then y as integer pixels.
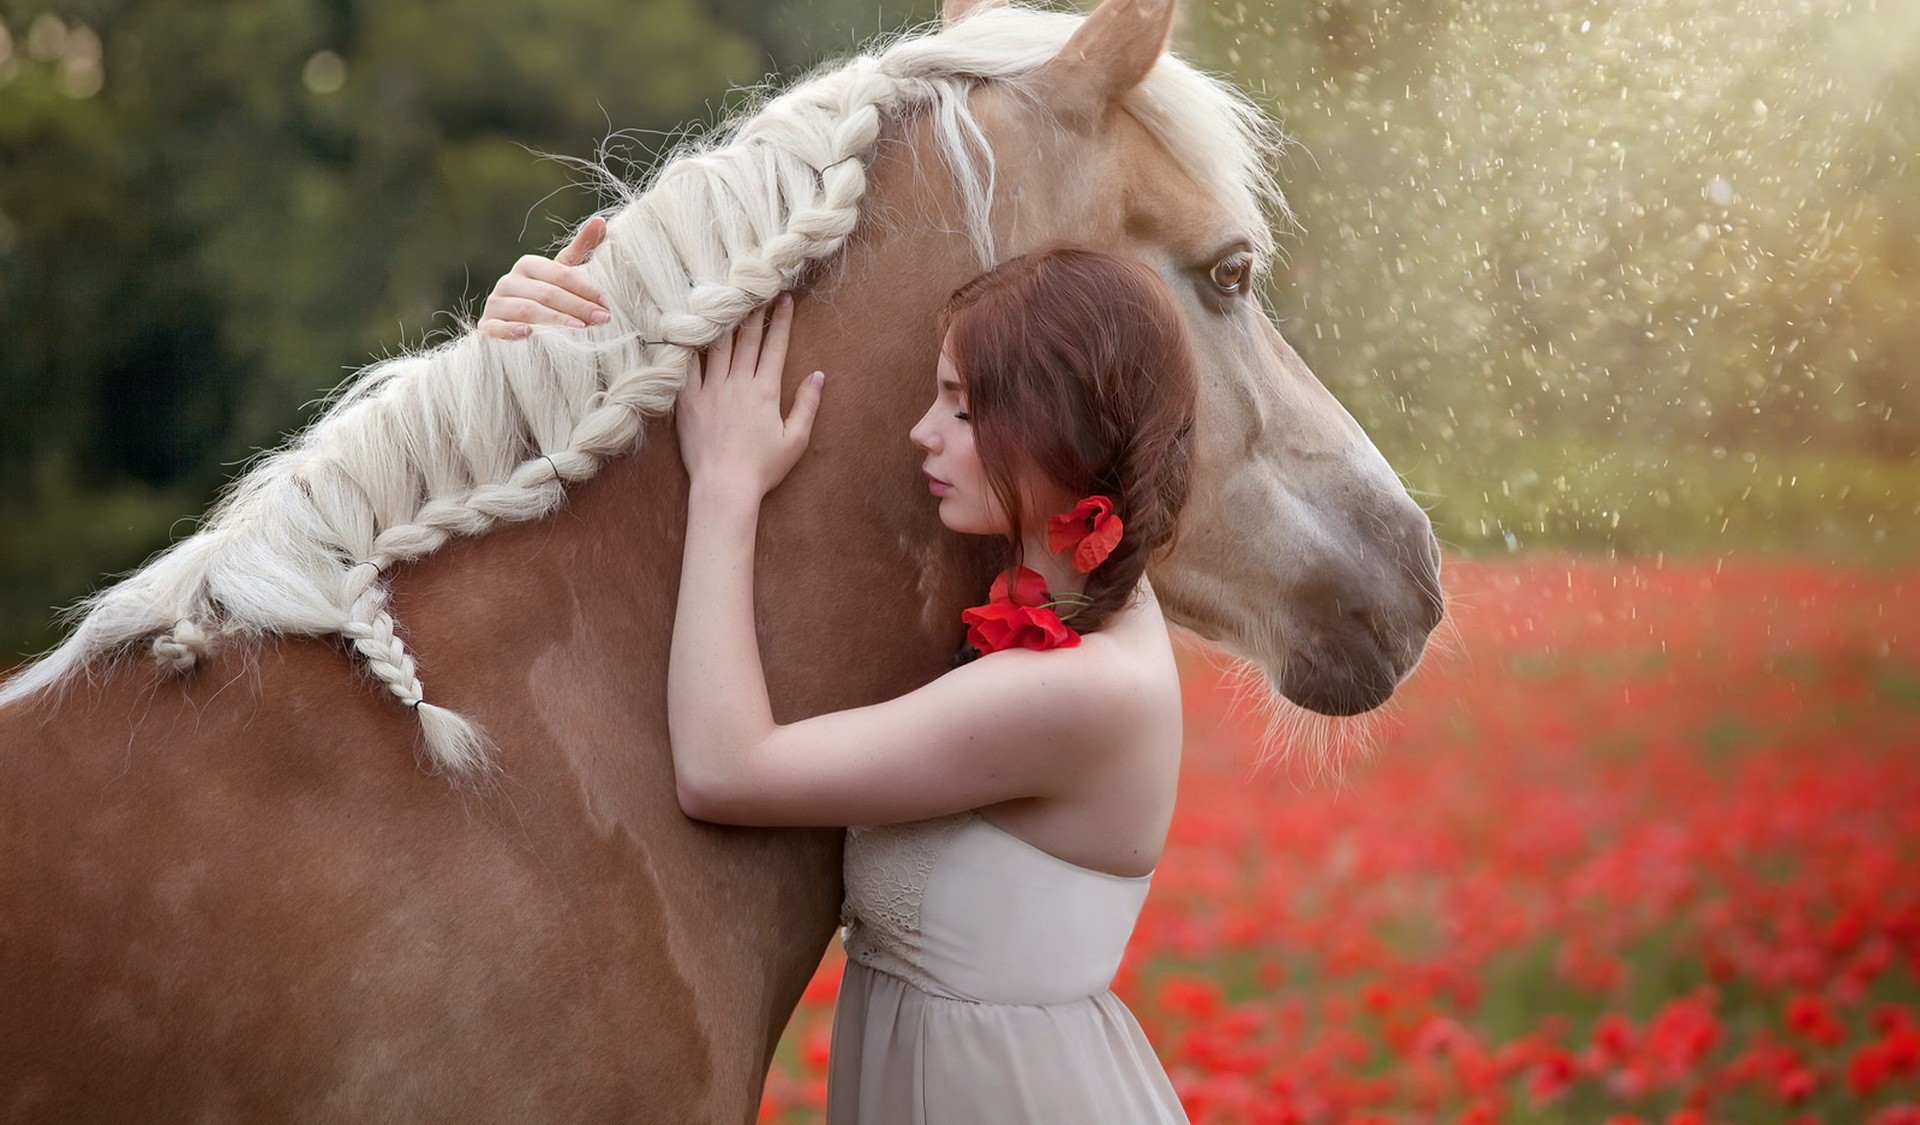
{"type": "Point", "coordinates": [1028, 587]}
{"type": "Point", "coordinates": [1091, 529]}
{"type": "Point", "coordinates": [1811, 1017]}
{"type": "Point", "coordinates": [1017, 617]}
{"type": "Point", "coordinates": [1795, 1084]}
{"type": "Point", "coordinates": [1867, 1071]}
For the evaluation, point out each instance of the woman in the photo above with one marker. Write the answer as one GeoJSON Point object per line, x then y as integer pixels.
{"type": "Point", "coordinates": [1020, 802]}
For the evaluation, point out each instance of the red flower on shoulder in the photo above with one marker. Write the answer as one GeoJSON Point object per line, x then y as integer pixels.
{"type": "Point", "coordinates": [1091, 529]}
{"type": "Point", "coordinates": [1016, 616]}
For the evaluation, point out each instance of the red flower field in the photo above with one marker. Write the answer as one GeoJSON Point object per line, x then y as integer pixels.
{"type": "Point", "coordinates": [1640, 845]}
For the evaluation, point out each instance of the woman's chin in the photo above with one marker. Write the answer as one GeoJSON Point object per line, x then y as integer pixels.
{"type": "Point", "coordinates": [961, 523]}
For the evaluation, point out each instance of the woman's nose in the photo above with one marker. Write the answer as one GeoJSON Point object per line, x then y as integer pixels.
{"type": "Point", "coordinates": [921, 434]}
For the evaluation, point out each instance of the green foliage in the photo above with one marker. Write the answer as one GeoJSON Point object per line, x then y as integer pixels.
{"type": "Point", "coordinates": [1626, 278]}
{"type": "Point", "coordinates": [210, 212]}
{"type": "Point", "coordinates": [64, 540]}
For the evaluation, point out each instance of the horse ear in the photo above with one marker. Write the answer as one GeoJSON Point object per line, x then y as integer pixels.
{"type": "Point", "coordinates": [1107, 56]}
{"type": "Point", "coordinates": [952, 10]}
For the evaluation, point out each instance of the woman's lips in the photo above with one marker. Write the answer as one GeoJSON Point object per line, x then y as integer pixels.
{"type": "Point", "coordinates": [935, 485]}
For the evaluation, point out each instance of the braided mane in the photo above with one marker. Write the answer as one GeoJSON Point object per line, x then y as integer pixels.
{"type": "Point", "coordinates": [449, 441]}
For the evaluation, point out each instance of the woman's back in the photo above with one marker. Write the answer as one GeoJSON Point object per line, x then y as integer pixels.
{"type": "Point", "coordinates": [965, 909]}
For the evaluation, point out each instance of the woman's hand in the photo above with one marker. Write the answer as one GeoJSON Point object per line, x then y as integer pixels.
{"type": "Point", "coordinates": [547, 291]}
{"type": "Point", "coordinates": [728, 415]}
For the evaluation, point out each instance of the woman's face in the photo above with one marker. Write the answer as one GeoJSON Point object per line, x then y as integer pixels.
{"type": "Point", "coordinates": [952, 467]}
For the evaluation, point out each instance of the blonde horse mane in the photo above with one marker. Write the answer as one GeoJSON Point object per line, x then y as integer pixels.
{"type": "Point", "coordinates": [448, 441]}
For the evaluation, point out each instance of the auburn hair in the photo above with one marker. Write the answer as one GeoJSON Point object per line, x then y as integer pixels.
{"type": "Point", "coordinates": [1077, 364]}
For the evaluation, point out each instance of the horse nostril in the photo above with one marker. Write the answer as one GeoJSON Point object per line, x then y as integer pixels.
{"type": "Point", "coordinates": [1399, 629]}
{"type": "Point", "coordinates": [1378, 628]}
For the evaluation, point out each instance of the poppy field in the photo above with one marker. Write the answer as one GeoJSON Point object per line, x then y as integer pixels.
{"type": "Point", "coordinates": [1638, 845]}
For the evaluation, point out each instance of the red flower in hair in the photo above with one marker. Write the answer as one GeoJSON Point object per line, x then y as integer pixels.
{"type": "Point", "coordinates": [1018, 617]}
{"type": "Point", "coordinates": [1091, 529]}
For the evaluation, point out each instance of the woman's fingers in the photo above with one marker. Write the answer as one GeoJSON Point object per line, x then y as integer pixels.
{"type": "Point", "coordinates": [729, 419]}
{"type": "Point", "coordinates": [719, 358]}
{"type": "Point", "coordinates": [584, 240]}
{"type": "Point", "coordinates": [502, 329]}
{"type": "Point", "coordinates": [806, 404]}
{"type": "Point", "coordinates": [756, 347]}
{"type": "Point", "coordinates": [542, 291]}
{"type": "Point", "coordinates": [533, 310]}
{"type": "Point", "coordinates": [549, 304]}
{"type": "Point", "coordinates": [503, 314]}
{"type": "Point", "coordinates": [773, 350]}
{"type": "Point", "coordinates": [746, 346]}
{"type": "Point", "coordinates": [583, 297]}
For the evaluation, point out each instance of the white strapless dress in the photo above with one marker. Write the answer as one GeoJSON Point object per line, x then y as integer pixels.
{"type": "Point", "coordinates": [977, 986]}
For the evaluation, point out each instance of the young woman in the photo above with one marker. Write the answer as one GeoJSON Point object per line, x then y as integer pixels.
{"type": "Point", "coordinates": [1015, 807]}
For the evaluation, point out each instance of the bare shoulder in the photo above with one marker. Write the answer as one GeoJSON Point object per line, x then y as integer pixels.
{"type": "Point", "coordinates": [1098, 692]}
{"type": "Point", "coordinates": [1126, 684]}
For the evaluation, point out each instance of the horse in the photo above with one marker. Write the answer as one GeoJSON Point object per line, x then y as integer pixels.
{"type": "Point", "coordinates": [254, 868]}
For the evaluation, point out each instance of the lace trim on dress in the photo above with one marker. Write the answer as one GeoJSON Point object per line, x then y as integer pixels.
{"type": "Point", "coordinates": [886, 871]}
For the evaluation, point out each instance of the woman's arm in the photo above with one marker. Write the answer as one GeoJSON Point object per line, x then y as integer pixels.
{"type": "Point", "coordinates": [1013, 724]}
{"type": "Point", "coordinates": [736, 449]}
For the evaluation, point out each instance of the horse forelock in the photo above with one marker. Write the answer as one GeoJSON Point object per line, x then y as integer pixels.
{"type": "Point", "coordinates": [453, 439]}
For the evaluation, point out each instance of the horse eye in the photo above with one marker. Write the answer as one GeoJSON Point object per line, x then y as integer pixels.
{"type": "Point", "coordinates": [1230, 274]}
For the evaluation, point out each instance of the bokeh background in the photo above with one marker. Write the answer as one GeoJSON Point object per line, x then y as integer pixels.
{"type": "Point", "coordinates": [1629, 291]}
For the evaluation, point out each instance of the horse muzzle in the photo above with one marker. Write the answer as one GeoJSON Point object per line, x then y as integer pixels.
{"type": "Point", "coordinates": [1359, 631]}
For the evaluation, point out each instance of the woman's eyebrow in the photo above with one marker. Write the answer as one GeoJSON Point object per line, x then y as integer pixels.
{"type": "Point", "coordinates": [950, 385]}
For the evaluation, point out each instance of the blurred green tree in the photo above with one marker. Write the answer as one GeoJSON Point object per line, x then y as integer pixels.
{"type": "Point", "coordinates": [212, 210]}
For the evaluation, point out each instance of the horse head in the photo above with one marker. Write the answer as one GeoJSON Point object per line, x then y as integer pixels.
{"type": "Point", "coordinates": [1299, 550]}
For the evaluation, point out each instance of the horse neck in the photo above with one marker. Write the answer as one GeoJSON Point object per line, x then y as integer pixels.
{"type": "Point", "coordinates": [858, 590]}
{"type": "Point", "coordinates": [858, 587]}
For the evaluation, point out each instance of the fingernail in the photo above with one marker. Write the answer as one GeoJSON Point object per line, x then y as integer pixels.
{"type": "Point", "coordinates": [575, 322]}
{"type": "Point", "coordinates": [786, 299]}
{"type": "Point", "coordinates": [818, 377]}
{"type": "Point", "coordinates": [599, 316]}
{"type": "Point", "coordinates": [520, 330]}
